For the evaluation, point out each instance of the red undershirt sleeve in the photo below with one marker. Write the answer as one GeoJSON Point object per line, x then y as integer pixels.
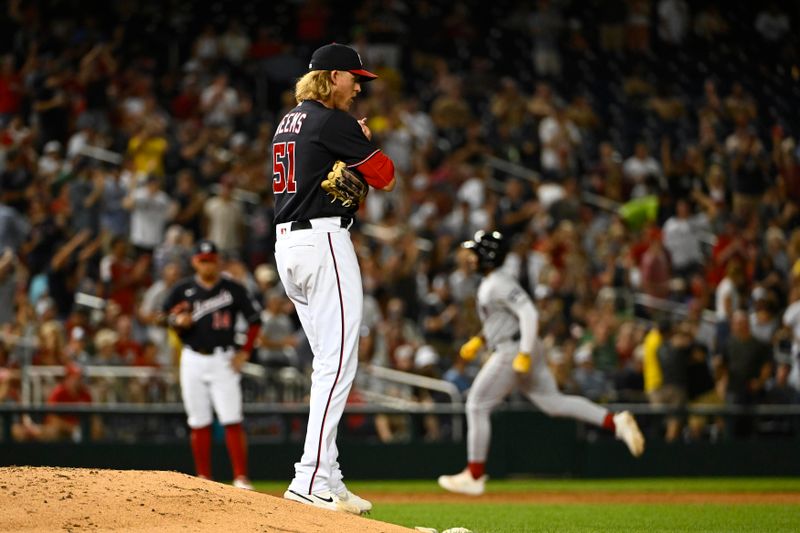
{"type": "Point", "coordinates": [377, 169]}
{"type": "Point", "coordinates": [252, 333]}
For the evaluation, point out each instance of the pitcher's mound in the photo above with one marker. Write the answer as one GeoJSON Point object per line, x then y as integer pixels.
{"type": "Point", "coordinates": [80, 499]}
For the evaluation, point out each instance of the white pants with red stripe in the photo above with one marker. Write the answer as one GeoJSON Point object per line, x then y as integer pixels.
{"type": "Point", "coordinates": [320, 273]}
{"type": "Point", "coordinates": [210, 382]}
{"type": "Point", "coordinates": [497, 379]}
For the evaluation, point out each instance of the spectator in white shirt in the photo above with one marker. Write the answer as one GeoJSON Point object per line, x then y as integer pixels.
{"type": "Point", "coordinates": [728, 298]}
{"type": "Point", "coordinates": [224, 219]}
{"type": "Point", "coordinates": [681, 240]}
{"type": "Point", "coordinates": [51, 162]}
{"type": "Point", "coordinates": [673, 21]}
{"type": "Point", "coordinates": [150, 307]}
{"type": "Point", "coordinates": [791, 319]}
{"type": "Point", "coordinates": [559, 138]}
{"type": "Point", "coordinates": [234, 43]}
{"type": "Point", "coordinates": [642, 171]}
{"type": "Point", "coordinates": [150, 209]}
{"type": "Point", "coordinates": [220, 103]}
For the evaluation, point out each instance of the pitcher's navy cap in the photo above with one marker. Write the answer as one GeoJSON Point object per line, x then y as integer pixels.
{"type": "Point", "coordinates": [337, 56]}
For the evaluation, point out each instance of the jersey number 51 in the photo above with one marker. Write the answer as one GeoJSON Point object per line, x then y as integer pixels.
{"type": "Point", "coordinates": [283, 168]}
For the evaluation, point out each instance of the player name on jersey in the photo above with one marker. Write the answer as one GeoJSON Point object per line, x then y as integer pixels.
{"type": "Point", "coordinates": [291, 123]}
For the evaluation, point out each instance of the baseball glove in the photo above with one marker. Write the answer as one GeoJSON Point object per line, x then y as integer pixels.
{"type": "Point", "coordinates": [345, 185]}
{"type": "Point", "coordinates": [176, 316]}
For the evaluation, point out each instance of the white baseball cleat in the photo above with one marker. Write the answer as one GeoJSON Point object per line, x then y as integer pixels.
{"type": "Point", "coordinates": [629, 433]}
{"type": "Point", "coordinates": [242, 482]}
{"type": "Point", "coordinates": [323, 500]}
{"type": "Point", "coordinates": [363, 505]}
{"type": "Point", "coordinates": [464, 483]}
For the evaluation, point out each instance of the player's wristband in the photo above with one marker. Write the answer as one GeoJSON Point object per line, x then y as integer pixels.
{"type": "Point", "coordinates": [522, 363]}
{"type": "Point", "coordinates": [471, 347]}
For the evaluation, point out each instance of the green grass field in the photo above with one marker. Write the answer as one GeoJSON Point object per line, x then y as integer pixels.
{"type": "Point", "coordinates": [519, 518]}
{"type": "Point", "coordinates": [493, 515]}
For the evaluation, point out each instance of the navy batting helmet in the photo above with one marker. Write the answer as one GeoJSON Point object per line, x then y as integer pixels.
{"type": "Point", "coordinates": [491, 248]}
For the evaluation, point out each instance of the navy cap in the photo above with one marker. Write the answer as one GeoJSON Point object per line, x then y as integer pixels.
{"type": "Point", "coordinates": [206, 249]}
{"type": "Point", "coordinates": [336, 56]}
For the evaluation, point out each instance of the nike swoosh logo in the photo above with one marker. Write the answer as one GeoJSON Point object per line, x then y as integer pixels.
{"type": "Point", "coordinates": [329, 499]}
{"type": "Point", "coordinates": [298, 494]}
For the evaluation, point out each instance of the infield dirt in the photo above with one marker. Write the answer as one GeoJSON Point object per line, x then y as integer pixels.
{"type": "Point", "coordinates": [77, 499]}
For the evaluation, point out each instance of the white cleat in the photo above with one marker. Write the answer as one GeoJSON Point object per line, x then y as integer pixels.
{"type": "Point", "coordinates": [363, 505]}
{"type": "Point", "coordinates": [464, 483]}
{"type": "Point", "coordinates": [629, 433]}
{"type": "Point", "coordinates": [323, 500]}
{"type": "Point", "coordinates": [243, 483]}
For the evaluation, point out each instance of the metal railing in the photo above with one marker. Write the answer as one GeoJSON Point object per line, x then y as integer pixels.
{"type": "Point", "coordinates": [789, 412]}
{"type": "Point", "coordinates": [672, 307]}
{"type": "Point", "coordinates": [642, 409]}
{"type": "Point", "coordinates": [34, 378]}
{"type": "Point", "coordinates": [514, 169]}
{"type": "Point", "coordinates": [424, 382]}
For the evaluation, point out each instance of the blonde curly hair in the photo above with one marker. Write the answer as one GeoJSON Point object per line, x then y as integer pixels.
{"type": "Point", "coordinates": [314, 85]}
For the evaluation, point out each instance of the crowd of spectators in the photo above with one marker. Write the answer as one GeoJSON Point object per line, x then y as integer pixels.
{"type": "Point", "coordinates": [640, 155]}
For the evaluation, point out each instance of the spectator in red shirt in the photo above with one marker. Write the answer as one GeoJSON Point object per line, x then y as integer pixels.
{"type": "Point", "coordinates": [655, 267]}
{"type": "Point", "coordinates": [186, 104]}
{"type": "Point", "coordinates": [10, 89]}
{"type": "Point", "coordinates": [122, 276]}
{"type": "Point", "coordinates": [126, 346]}
{"type": "Point", "coordinates": [57, 426]}
{"type": "Point", "coordinates": [266, 44]}
{"type": "Point", "coordinates": [730, 243]}
{"type": "Point", "coordinates": [148, 355]}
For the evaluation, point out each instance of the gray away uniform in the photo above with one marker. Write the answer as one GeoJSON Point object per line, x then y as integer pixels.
{"type": "Point", "coordinates": [510, 325]}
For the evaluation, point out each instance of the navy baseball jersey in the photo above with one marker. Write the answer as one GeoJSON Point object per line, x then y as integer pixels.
{"type": "Point", "coordinates": [308, 140]}
{"type": "Point", "coordinates": [213, 312]}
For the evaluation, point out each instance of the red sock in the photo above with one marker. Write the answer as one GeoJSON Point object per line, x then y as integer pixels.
{"type": "Point", "coordinates": [608, 422]}
{"type": "Point", "coordinates": [201, 450]}
{"type": "Point", "coordinates": [476, 469]}
{"type": "Point", "coordinates": [237, 449]}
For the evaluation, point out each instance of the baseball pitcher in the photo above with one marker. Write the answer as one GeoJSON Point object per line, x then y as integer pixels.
{"type": "Point", "coordinates": [323, 164]}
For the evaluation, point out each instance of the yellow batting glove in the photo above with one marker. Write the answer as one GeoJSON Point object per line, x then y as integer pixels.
{"type": "Point", "coordinates": [470, 348]}
{"type": "Point", "coordinates": [522, 363]}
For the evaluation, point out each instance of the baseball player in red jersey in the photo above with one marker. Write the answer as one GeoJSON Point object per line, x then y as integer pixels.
{"type": "Point", "coordinates": [202, 309]}
{"type": "Point", "coordinates": [315, 257]}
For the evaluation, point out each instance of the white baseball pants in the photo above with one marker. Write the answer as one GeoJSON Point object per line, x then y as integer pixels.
{"type": "Point", "coordinates": [210, 382]}
{"type": "Point", "coordinates": [496, 380]}
{"type": "Point", "coordinates": [320, 273]}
